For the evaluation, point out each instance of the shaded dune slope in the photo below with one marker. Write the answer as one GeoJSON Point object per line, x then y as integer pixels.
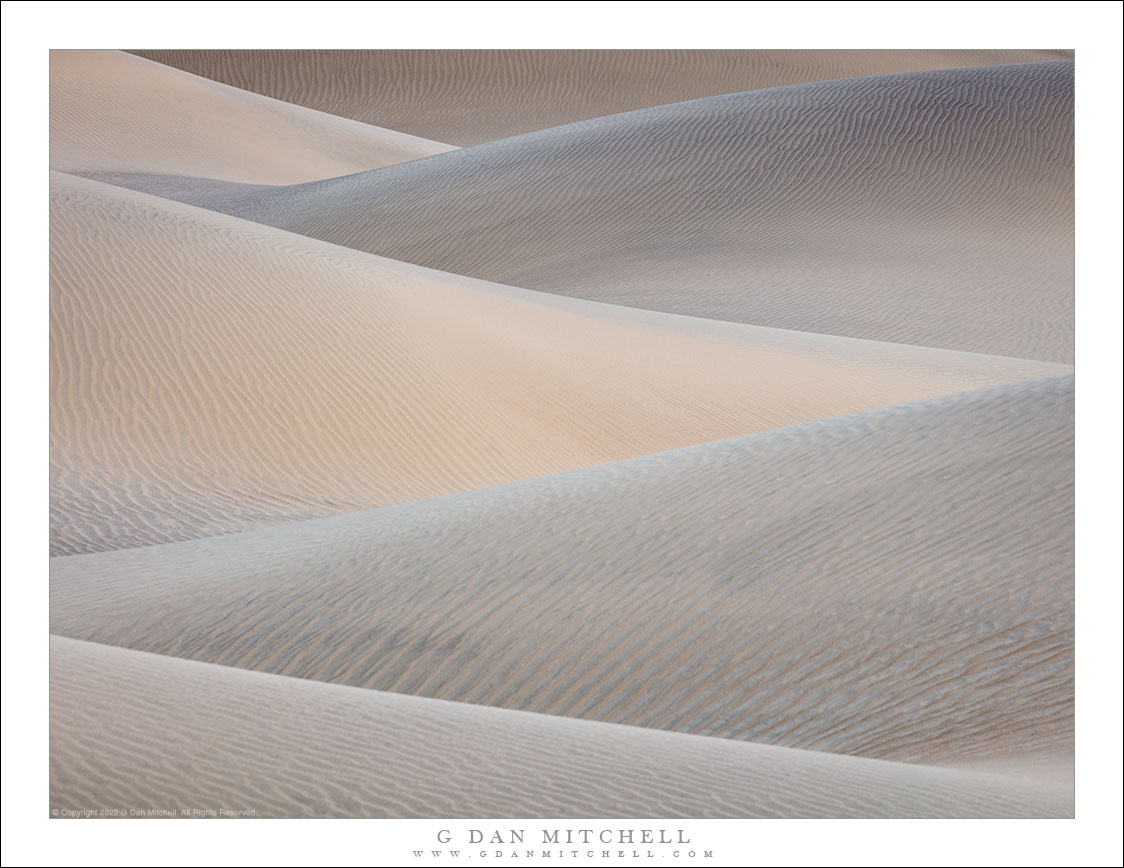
{"type": "Point", "coordinates": [469, 97]}
{"type": "Point", "coordinates": [115, 115]}
{"type": "Point", "coordinates": [930, 208]}
{"type": "Point", "coordinates": [894, 584]}
{"type": "Point", "coordinates": [210, 375]}
{"type": "Point", "coordinates": [140, 731]}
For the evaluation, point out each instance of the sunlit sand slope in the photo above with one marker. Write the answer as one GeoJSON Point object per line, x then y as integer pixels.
{"type": "Point", "coordinates": [212, 375]}
{"type": "Point", "coordinates": [114, 113]}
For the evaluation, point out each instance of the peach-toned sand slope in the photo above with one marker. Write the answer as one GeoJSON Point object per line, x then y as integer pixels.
{"type": "Point", "coordinates": [139, 731]}
{"type": "Point", "coordinates": [893, 584]}
{"type": "Point", "coordinates": [113, 112]}
{"type": "Point", "coordinates": [468, 97]}
{"type": "Point", "coordinates": [211, 374]}
{"type": "Point", "coordinates": [695, 441]}
{"type": "Point", "coordinates": [930, 208]}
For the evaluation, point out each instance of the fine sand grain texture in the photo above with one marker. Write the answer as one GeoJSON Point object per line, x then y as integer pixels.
{"type": "Point", "coordinates": [894, 584]}
{"type": "Point", "coordinates": [638, 434]}
{"type": "Point", "coordinates": [212, 375]}
{"type": "Point", "coordinates": [929, 208]}
{"type": "Point", "coordinates": [469, 97]}
{"type": "Point", "coordinates": [113, 113]}
{"type": "Point", "coordinates": [141, 731]}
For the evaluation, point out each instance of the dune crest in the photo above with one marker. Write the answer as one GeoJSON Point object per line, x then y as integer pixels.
{"type": "Point", "coordinates": [248, 377]}
{"type": "Point", "coordinates": [114, 114]}
{"type": "Point", "coordinates": [894, 584]}
{"type": "Point", "coordinates": [470, 97]}
{"type": "Point", "coordinates": [933, 209]}
{"type": "Point", "coordinates": [284, 747]}
{"type": "Point", "coordinates": [691, 436]}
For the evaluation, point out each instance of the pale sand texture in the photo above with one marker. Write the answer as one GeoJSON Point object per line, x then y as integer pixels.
{"type": "Point", "coordinates": [724, 468]}
{"type": "Point", "coordinates": [469, 97]}
{"type": "Point", "coordinates": [139, 731]}
{"type": "Point", "coordinates": [895, 584]}
{"type": "Point", "coordinates": [113, 112]}
{"type": "Point", "coordinates": [929, 208]}
{"type": "Point", "coordinates": [211, 375]}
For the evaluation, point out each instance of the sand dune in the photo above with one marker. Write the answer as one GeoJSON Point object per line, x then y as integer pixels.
{"type": "Point", "coordinates": [469, 97]}
{"type": "Point", "coordinates": [114, 113]}
{"type": "Point", "coordinates": [140, 731]}
{"type": "Point", "coordinates": [931, 209]}
{"type": "Point", "coordinates": [642, 458]}
{"type": "Point", "coordinates": [212, 375]}
{"type": "Point", "coordinates": [894, 584]}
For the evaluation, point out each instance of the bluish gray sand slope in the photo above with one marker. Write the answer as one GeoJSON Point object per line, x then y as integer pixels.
{"type": "Point", "coordinates": [139, 731]}
{"type": "Point", "coordinates": [930, 208]}
{"type": "Point", "coordinates": [826, 613]}
{"type": "Point", "coordinates": [472, 96]}
{"type": "Point", "coordinates": [894, 584]}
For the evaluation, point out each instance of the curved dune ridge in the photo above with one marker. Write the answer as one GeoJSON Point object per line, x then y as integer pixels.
{"type": "Point", "coordinates": [930, 208]}
{"type": "Point", "coordinates": [284, 747]}
{"type": "Point", "coordinates": [690, 436]}
{"type": "Point", "coordinates": [469, 97]}
{"type": "Point", "coordinates": [114, 114]}
{"type": "Point", "coordinates": [212, 375]}
{"type": "Point", "coordinates": [894, 584]}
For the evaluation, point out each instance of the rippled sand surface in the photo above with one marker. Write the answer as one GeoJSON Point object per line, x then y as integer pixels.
{"type": "Point", "coordinates": [697, 444]}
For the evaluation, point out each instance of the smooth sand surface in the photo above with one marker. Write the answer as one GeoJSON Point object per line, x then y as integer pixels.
{"type": "Point", "coordinates": [115, 113]}
{"type": "Point", "coordinates": [469, 97]}
{"type": "Point", "coordinates": [931, 208]}
{"type": "Point", "coordinates": [212, 375]}
{"type": "Point", "coordinates": [139, 731]}
{"type": "Point", "coordinates": [893, 584]}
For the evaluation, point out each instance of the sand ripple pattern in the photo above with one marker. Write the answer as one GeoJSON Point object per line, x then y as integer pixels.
{"type": "Point", "coordinates": [211, 375]}
{"type": "Point", "coordinates": [470, 97]}
{"type": "Point", "coordinates": [284, 747]}
{"type": "Point", "coordinates": [113, 112]}
{"type": "Point", "coordinates": [894, 584]}
{"type": "Point", "coordinates": [929, 208]}
{"type": "Point", "coordinates": [553, 434]}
